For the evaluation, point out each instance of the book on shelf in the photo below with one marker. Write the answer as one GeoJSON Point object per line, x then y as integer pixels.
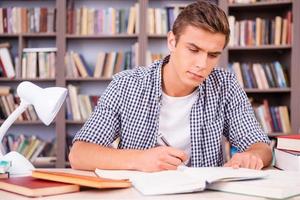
{"type": "Point", "coordinates": [272, 118]}
{"type": "Point", "coordinates": [79, 179]}
{"type": "Point", "coordinates": [38, 63]}
{"type": "Point", "coordinates": [7, 68]}
{"type": "Point", "coordinates": [260, 31]}
{"type": "Point", "coordinates": [287, 160]}
{"type": "Point", "coordinates": [260, 75]}
{"type": "Point", "coordinates": [182, 180]}
{"type": "Point", "coordinates": [93, 21]}
{"type": "Point", "coordinates": [107, 63]}
{"type": "Point", "coordinates": [16, 20]}
{"type": "Point", "coordinates": [78, 106]}
{"type": "Point", "coordinates": [160, 20]}
{"type": "Point", "coordinates": [289, 142]}
{"type": "Point", "coordinates": [31, 147]}
{"type": "Point", "coordinates": [33, 187]}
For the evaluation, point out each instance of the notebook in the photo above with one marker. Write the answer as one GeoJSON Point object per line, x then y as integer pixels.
{"type": "Point", "coordinates": [182, 180]}
{"type": "Point", "coordinates": [32, 187]}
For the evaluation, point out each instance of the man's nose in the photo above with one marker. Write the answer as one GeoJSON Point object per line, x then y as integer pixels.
{"type": "Point", "coordinates": [201, 60]}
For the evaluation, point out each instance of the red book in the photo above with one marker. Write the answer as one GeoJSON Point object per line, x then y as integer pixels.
{"type": "Point", "coordinates": [32, 187]}
{"type": "Point", "coordinates": [289, 142]}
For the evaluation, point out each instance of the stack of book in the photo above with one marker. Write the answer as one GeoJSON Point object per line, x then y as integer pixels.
{"type": "Point", "coordinates": [287, 153]}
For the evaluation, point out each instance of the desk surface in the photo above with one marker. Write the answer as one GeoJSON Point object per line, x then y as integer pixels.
{"type": "Point", "coordinates": [129, 193]}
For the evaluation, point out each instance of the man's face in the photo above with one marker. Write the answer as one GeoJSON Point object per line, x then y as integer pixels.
{"type": "Point", "coordinates": [194, 55]}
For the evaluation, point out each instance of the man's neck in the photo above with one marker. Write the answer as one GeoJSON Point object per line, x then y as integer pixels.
{"type": "Point", "coordinates": [171, 83]}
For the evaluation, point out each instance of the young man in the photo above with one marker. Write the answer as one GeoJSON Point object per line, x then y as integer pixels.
{"type": "Point", "coordinates": [182, 99]}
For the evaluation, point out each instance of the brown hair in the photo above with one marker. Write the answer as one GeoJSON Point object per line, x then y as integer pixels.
{"type": "Point", "coordinates": [202, 14]}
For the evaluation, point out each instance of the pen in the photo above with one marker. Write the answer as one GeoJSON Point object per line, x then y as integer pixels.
{"type": "Point", "coordinates": [163, 139]}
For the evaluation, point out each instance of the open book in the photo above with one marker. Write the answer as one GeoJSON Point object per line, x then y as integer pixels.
{"type": "Point", "coordinates": [182, 180]}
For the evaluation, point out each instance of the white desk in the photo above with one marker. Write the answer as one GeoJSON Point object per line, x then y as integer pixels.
{"type": "Point", "coordinates": [129, 193]}
{"type": "Point", "coordinates": [132, 194]}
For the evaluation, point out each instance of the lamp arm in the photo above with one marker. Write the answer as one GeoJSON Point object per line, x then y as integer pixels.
{"type": "Point", "coordinates": [11, 118]}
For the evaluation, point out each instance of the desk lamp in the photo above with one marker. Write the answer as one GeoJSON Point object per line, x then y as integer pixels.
{"type": "Point", "coordinates": [46, 103]}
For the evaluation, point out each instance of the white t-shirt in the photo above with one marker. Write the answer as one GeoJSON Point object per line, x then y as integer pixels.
{"type": "Point", "coordinates": [174, 120]}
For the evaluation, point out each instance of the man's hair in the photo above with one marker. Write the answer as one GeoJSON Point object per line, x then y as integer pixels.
{"type": "Point", "coordinates": [202, 14]}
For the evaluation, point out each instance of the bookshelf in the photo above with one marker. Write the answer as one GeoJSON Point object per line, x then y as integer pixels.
{"type": "Point", "coordinates": [89, 45]}
{"type": "Point", "coordinates": [284, 53]}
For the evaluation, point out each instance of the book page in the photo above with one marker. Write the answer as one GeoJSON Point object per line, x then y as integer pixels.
{"type": "Point", "coordinates": [213, 174]}
{"type": "Point", "coordinates": [278, 184]}
{"type": "Point", "coordinates": [170, 182]}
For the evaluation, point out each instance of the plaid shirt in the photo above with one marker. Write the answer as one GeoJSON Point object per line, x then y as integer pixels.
{"type": "Point", "coordinates": [130, 106]}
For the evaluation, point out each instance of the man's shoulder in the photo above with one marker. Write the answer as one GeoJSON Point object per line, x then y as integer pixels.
{"type": "Point", "coordinates": [137, 74]}
{"type": "Point", "coordinates": [220, 75]}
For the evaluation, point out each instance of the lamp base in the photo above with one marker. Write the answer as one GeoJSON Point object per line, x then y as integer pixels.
{"type": "Point", "coordinates": [20, 165]}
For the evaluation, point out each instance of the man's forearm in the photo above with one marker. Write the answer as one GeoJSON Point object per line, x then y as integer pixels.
{"type": "Point", "coordinates": [88, 156]}
{"type": "Point", "coordinates": [263, 150]}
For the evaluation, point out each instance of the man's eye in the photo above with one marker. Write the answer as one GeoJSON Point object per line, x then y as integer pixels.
{"type": "Point", "coordinates": [213, 55]}
{"type": "Point", "coordinates": [194, 50]}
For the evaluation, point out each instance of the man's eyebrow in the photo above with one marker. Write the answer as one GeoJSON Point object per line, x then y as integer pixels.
{"type": "Point", "coordinates": [195, 46]}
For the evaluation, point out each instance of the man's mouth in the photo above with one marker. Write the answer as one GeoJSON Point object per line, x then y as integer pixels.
{"type": "Point", "coordinates": [198, 76]}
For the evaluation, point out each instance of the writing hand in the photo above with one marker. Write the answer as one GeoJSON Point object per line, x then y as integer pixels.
{"type": "Point", "coordinates": [160, 158]}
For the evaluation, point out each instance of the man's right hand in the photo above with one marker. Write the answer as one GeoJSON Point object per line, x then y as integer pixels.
{"type": "Point", "coordinates": [160, 158]}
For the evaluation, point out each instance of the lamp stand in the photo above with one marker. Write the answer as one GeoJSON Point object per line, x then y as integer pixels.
{"type": "Point", "coordinates": [20, 165]}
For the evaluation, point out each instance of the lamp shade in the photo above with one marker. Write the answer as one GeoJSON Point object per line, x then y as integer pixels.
{"type": "Point", "coordinates": [46, 102]}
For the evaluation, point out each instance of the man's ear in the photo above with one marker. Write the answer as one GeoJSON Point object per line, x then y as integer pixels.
{"type": "Point", "coordinates": [171, 41]}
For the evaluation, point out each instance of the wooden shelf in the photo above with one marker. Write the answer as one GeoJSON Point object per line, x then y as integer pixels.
{"type": "Point", "coordinates": [262, 47]}
{"type": "Point", "coordinates": [261, 4]}
{"type": "Point", "coordinates": [26, 122]}
{"type": "Point", "coordinates": [27, 79]}
{"type": "Point", "coordinates": [277, 134]}
{"type": "Point", "coordinates": [9, 35]}
{"type": "Point", "coordinates": [104, 36]}
{"type": "Point", "coordinates": [157, 36]}
{"type": "Point", "coordinates": [72, 122]}
{"type": "Point", "coordinates": [29, 35]}
{"type": "Point", "coordinates": [271, 90]}
{"type": "Point", "coordinates": [88, 79]}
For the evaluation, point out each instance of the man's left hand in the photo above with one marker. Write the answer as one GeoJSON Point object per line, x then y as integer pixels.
{"type": "Point", "coordinates": [246, 160]}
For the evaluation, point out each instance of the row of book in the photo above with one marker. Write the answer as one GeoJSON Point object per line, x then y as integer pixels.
{"type": "Point", "coordinates": [31, 147]}
{"type": "Point", "coordinates": [90, 21]}
{"type": "Point", "coordinates": [272, 118]}
{"type": "Point", "coordinates": [9, 102]}
{"type": "Point", "coordinates": [260, 75]}
{"type": "Point", "coordinates": [27, 20]}
{"type": "Point", "coordinates": [260, 31]}
{"type": "Point", "coordinates": [160, 20]}
{"type": "Point", "coordinates": [107, 63]}
{"type": "Point", "coordinates": [79, 106]}
{"type": "Point", "coordinates": [38, 63]}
